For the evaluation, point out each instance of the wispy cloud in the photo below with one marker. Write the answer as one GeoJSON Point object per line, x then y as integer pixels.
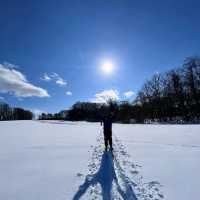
{"type": "Point", "coordinates": [54, 77]}
{"type": "Point", "coordinates": [10, 66]}
{"type": "Point", "coordinates": [129, 94]}
{"type": "Point", "coordinates": [13, 81]}
{"type": "Point", "coordinates": [46, 77]}
{"type": "Point", "coordinates": [68, 93]}
{"type": "Point", "coordinates": [61, 82]}
{"type": "Point", "coordinates": [105, 96]}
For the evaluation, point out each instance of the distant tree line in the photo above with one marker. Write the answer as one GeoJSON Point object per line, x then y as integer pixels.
{"type": "Point", "coordinates": [173, 96]}
{"type": "Point", "coordinates": [121, 111]}
{"type": "Point", "coordinates": [9, 113]}
{"type": "Point", "coordinates": [62, 115]}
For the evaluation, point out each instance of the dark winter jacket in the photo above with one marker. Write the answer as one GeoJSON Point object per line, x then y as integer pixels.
{"type": "Point", "coordinates": [107, 124]}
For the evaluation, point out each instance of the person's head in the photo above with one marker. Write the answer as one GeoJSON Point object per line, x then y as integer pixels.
{"type": "Point", "coordinates": [107, 111]}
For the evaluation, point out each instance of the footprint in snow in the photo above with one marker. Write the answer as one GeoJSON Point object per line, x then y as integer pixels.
{"type": "Point", "coordinates": [125, 182]}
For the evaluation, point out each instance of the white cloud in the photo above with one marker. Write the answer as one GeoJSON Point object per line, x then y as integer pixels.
{"type": "Point", "coordinates": [129, 94]}
{"type": "Point", "coordinates": [105, 96]}
{"type": "Point", "coordinates": [61, 82]}
{"type": "Point", "coordinates": [54, 77]}
{"type": "Point", "coordinates": [69, 93]}
{"type": "Point", "coordinates": [46, 77]}
{"type": "Point", "coordinates": [13, 81]}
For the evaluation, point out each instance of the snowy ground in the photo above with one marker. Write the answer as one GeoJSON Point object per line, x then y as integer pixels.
{"type": "Point", "coordinates": [54, 160]}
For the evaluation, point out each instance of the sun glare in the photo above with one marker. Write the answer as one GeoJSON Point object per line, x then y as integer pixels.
{"type": "Point", "coordinates": [107, 67]}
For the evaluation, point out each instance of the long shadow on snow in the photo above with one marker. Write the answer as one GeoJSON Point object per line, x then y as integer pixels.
{"type": "Point", "coordinates": [105, 176]}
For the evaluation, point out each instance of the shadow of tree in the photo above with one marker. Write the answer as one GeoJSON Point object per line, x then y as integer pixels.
{"type": "Point", "coordinates": [105, 176]}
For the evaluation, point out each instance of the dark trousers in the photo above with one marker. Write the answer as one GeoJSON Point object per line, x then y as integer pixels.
{"type": "Point", "coordinates": [108, 138]}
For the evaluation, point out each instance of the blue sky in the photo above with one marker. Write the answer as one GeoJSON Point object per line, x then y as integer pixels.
{"type": "Point", "coordinates": [69, 40]}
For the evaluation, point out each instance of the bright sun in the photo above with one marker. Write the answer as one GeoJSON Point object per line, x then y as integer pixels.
{"type": "Point", "coordinates": [107, 67]}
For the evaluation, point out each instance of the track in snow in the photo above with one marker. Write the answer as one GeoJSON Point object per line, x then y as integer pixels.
{"type": "Point", "coordinates": [112, 176]}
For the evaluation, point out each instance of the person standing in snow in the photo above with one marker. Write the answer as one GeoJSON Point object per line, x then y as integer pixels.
{"type": "Point", "coordinates": [107, 130]}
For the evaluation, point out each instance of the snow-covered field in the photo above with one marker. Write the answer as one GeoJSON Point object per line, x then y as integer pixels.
{"type": "Point", "coordinates": [54, 160]}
